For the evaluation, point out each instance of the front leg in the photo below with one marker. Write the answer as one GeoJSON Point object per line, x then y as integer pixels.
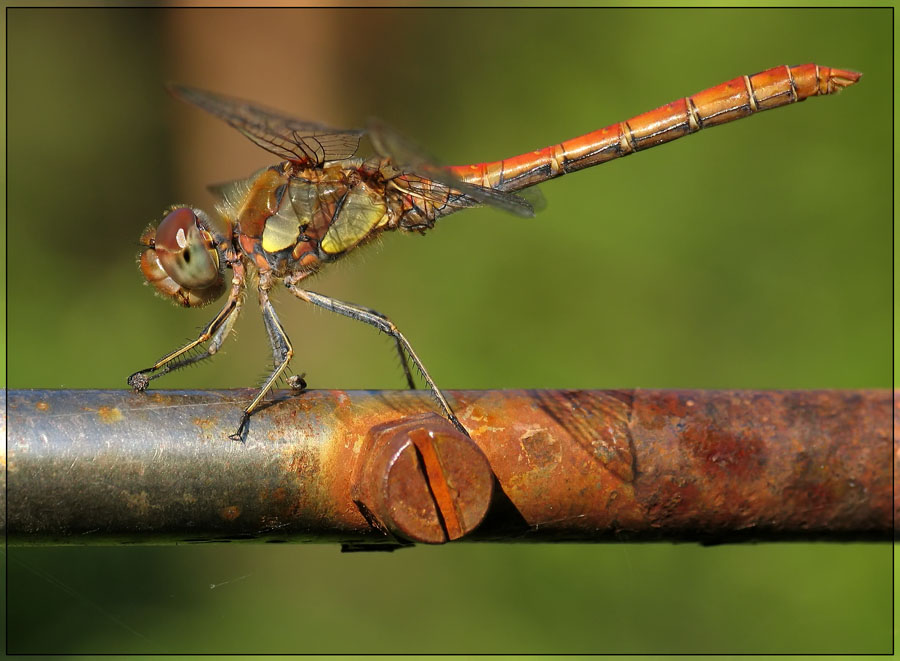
{"type": "Point", "coordinates": [216, 330]}
{"type": "Point", "coordinates": [282, 352]}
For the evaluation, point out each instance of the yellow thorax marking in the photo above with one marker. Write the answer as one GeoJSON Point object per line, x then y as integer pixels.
{"type": "Point", "coordinates": [362, 211]}
{"type": "Point", "coordinates": [280, 233]}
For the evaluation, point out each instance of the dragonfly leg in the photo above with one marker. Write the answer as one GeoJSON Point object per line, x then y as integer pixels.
{"type": "Point", "coordinates": [404, 362]}
{"type": "Point", "coordinates": [216, 330]}
{"type": "Point", "coordinates": [282, 352]}
{"type": "Point", "coordinates": [385, 325]}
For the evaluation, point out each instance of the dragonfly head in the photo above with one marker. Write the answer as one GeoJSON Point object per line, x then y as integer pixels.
{"type": "Point", "coordinates": [181, 258]}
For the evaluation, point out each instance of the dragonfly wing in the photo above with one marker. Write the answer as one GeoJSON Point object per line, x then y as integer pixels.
{"type": "Point", "coordinates": [408, 157]}
{"type": "Point", "coordinates": [290, 138]}
{"type": "Point", "coordinates": [534, 197]}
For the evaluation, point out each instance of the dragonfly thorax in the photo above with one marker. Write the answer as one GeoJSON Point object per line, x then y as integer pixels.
{"type": "Point", "coordinates": [288, 219]}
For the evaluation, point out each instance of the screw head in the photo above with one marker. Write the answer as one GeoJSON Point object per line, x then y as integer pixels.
{"type": "Point", "coordinates": [423, 480]}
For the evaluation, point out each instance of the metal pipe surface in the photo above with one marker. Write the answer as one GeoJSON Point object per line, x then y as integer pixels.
{"type": "Point", "coordinates": [358, 467]}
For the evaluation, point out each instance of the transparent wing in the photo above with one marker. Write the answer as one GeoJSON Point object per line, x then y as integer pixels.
{"type": "Point", "coordinates": [534, 197]}
{"type": "Point", "coordinates": [284, 136]}
{"type": "Point", "coordinates": [408, 157]}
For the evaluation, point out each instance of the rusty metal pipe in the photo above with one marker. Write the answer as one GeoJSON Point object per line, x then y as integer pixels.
{"type": "Point", "coordinates": [99, 467]}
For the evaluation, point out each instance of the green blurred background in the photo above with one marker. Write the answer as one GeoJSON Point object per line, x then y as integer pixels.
{"type": "Point", "coordinates": [756, 255]}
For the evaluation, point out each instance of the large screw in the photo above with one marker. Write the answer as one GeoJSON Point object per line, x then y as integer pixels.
{"type": "Point", "coordinates": [422, 480]}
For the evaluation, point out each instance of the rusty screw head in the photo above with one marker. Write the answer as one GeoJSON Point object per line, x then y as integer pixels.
{"type": "Point", "coordinates": [423, 480]}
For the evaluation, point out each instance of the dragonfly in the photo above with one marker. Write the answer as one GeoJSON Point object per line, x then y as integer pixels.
{"type": "Point", "coordinates": [322, 201]}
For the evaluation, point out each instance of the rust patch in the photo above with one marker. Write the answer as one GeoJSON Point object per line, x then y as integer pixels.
{"type": "Point", "coordinates": [674, 501]}
{"type": "Point", "coordinates": [816, 487]}
{"type": "Point", "coordinates": [741, 455]}
{"type": "Point", "coordinates": [477, 413]}
{"type": "Point", "coordinates": [541, 449]}
{"type": "Point", "coordinates": [664, 407]}
{"type": "Point", "coordinates": [304, 462]}
{"type": "Point", "coordinates": [110, 414]}
{"type": "Point", "coordinates": [42, 406]}
{"type": "Point", "coordinates": [204, 423]}
{"type": "Point", "coordinates": [230, 513]}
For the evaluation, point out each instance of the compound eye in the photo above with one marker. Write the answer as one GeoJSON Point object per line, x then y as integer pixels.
{"type": "Point", "coordinates": [186, 251]}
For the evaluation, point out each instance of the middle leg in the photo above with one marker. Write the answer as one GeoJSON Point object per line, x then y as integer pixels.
{"type": "Point", "coordinates": [282, 352]}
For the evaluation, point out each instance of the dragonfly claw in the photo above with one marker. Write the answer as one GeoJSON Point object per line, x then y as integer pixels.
{"type": "Point", "coordinates": [138, 381]}
{"type": "Point", "coordinates": [241, 434]}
